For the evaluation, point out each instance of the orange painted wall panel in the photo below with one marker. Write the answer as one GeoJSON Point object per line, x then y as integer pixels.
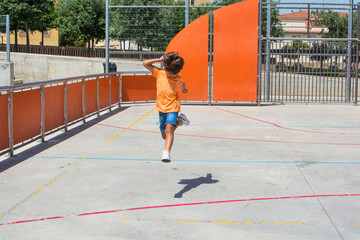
{"type": "Point", "coordinates": [91, 96]}
{"type": "Point", "coordinates": [114, 89]}
{"type": "Point", "coordinates": [4, 126]}
{"type": "Point", "coordinates": [54, 107]}
{"type": "Point", "coordinates": [104, 92]}
{"type": "Point", "coordinates": [235, 52]}
{"type": "Point", "coordinates": [27, 115]}
{"type": "Point", "coordinates": [192, 45]}
{"type": "Point", "coordinates": [138, 88]}
{"type": "Point", "coordinates": [74, 103]}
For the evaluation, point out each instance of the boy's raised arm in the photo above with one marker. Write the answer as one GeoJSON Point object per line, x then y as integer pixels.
{"type": "Point", "coordinates": [148, 64]}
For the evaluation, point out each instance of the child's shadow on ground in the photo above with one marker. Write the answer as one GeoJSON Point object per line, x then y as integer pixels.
{"type": "Point", "coordinates": [193, 183]}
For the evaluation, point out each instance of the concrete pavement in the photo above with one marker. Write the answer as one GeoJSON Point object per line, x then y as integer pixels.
{"type": "Point", "coordinates": [237, 172]}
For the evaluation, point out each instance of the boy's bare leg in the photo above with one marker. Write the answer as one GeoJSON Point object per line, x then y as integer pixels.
{"type": "Point", "coordinates": [169, 133]}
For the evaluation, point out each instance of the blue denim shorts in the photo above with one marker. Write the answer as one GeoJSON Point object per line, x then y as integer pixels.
{"type": "Point", "coordinates": [167, 118]}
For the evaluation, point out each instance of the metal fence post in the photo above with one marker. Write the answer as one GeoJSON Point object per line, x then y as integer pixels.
{"type": "Point", "coordinates": [107, 37]}
{"type": "Point", "coordinates": [120, 89]}
{"type": "Point", "coordinates": [98, 95]}
{"type": "Point", "coordinates": [110, 93]}
{"type": "Point", "coordinates": [268, 35]}
{"type": "Point", "coordinates": [8, 38]}
{"type": "Point", "coordinates": [259, 72]}
{"type": "Point", "coordinates": [83, 100]}
{"type": "Point", "coordinates": [42, 126]}
{"type": "Point", "coordinates": [211, 54]}
{"type": "Point", "coordinates": [187, 9]}
{"type": "Point", "coordinates": [65, 106]}
{"type": "Point", "coordinates": [10, 122]}
{"type": "Point", "coordinates": [348, 75]}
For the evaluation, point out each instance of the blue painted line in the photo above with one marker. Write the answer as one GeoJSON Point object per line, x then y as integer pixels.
{"type": "Point", "coordinates": [201, 161]}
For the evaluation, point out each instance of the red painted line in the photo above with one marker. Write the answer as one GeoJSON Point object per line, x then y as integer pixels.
{"type": "Point", "coordinates": [278, 126]}
{"type": "Point", "coordinates": [236, 139]}
{"type": "Point", "coordinates": [181, 205]}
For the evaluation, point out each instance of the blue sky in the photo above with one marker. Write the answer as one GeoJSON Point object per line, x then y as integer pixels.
{"type": "Point", "coordinates": [313, 1]}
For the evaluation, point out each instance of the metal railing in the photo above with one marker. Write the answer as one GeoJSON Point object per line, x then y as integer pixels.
{"type": "Point", "coordinates": [10, 90]}
{"type": "Point", "coordinates": [308, 69]}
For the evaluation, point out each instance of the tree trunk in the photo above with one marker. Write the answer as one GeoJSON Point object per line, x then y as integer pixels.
{"type": "Point", "coordinates": [42, 38]}
{"type": "Point", "coordinates": [16, 40]}
{"type": "Point", "coordinates": [89, 48]}
{"type": "Point", "coordinates": [27, 37]}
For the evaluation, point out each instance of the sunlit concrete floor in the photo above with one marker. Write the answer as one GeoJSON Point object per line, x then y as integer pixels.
{"type": "Point", "coordinates": [237, 172]}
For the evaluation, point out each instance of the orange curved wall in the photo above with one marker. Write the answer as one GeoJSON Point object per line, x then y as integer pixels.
{"type": "Point", "coordinates": [192, 44]}
{"type": "Point", "coordinates": [235, 52]}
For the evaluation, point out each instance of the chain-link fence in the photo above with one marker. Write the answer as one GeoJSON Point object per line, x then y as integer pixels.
{"type": "Point", "coordinates": [143, 29]}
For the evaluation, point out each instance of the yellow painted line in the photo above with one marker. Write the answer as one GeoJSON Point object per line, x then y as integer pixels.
{"type": "Point", "coordinates": [129, 126]}
{"type": "Point", "coordinates": [221, 221]}
{"type": "Point", "coordinates": [36, 191]}
{"type": "Point", "coordinates": [356, 224]}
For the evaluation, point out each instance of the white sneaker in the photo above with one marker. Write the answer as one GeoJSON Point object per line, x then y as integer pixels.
{"type": "Point", "coordinates": [184, 119]}
{"type": "Point", "coordinates": [166, 156]}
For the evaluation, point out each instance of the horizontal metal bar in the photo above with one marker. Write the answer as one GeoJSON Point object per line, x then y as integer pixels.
{"type": "Point", "coordinates": [163, 6]}
{"type": "Point", "coordinates": [312, 39]}
{"type": "Point", "coordinates": [315, 8]}
{"type": "Point", "coordinates": [134, 52]}
{"type": "Point", "coordinates": [311, 3]}
{"type": "Point", "coordinates": [62, 80]}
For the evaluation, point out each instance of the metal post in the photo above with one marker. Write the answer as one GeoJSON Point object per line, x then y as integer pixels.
{"type": "Point", "coordinates": [110, 93]}
{"type": "Point", "coordinates": [83, 100]}
{"type": "Point", "coordinates": [268, 35]}
{"type": "Point", "coordinates": [309, 20]}
{"type": "Point", "coordinates": [120, 94]}
{"type": "Point", "coordinates": [187, 9]}
{"type": "Point", "coordinates": [65, 106]}
{"type": "Point", "coordinates": [8, 38]}
{"type": "Point", "coordinates": [107, 37]}
{"type": "Point", "coordinates": [98, 95]}
{"type": "Point", "coordinates": [210, 71]}
{"type": "Point", "coordinates": [42, 126]}
{"type": "Point", "coordinates": [10, 122]}
{"type": "Point", "coordinates": [348, 75]}
{"type": "Point", "coordinates": [259, 72]}
{"type": "Point", "coordinates": [357, 56]}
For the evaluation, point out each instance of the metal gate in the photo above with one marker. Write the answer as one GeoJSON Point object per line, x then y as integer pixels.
{"type": "Point", "coordinates": [310, 69]}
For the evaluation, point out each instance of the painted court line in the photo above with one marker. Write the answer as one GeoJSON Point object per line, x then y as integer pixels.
{"type": "Point", "coordinates": [198, 160]}
{"type": "Point", "coordinates": [129, 126]}
{"type": "Point", "coordinates": [278, 126]}
{"type": "Point", "coordinates": [235, 139]}
{"type": "Point", "coordinates": [179, 205]}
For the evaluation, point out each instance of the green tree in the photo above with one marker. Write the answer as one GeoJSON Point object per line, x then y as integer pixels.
{"type": "Point", "coordinates": [276, 29]}
{"type": "Point", "coordinates": [27, 15]}
{"type": "Point", "coordinates": [82, 20]}
{"type": "Point", "coordinates": [147, 27]}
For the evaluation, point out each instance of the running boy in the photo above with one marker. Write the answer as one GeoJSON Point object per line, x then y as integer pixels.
{"type": "Point", "coordinates": [168, 80]}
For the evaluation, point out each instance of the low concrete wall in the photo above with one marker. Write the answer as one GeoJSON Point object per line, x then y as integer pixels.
{"type": "Point", "coordinates": [36, 67]}
{"type": "Point", "coordinates": [6, 73]}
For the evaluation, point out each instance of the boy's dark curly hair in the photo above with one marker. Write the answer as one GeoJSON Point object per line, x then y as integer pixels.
{"type": "Point", "coordinates": [173, 63]}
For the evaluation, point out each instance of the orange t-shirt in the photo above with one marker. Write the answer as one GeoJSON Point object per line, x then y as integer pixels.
{"type": "Point", "coordinates": [167, 99]}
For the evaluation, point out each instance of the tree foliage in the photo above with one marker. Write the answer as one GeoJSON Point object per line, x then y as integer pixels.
{"type": "Point", "coordinates": [81, 19]}
{"type": "Point", "coordinates": [148, 27]}
{"type": "Point", "coordinates": [28, 15]}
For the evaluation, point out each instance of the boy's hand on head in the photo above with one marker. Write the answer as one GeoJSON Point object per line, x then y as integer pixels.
{"type": "Point", "coordinates": [183, 88]}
